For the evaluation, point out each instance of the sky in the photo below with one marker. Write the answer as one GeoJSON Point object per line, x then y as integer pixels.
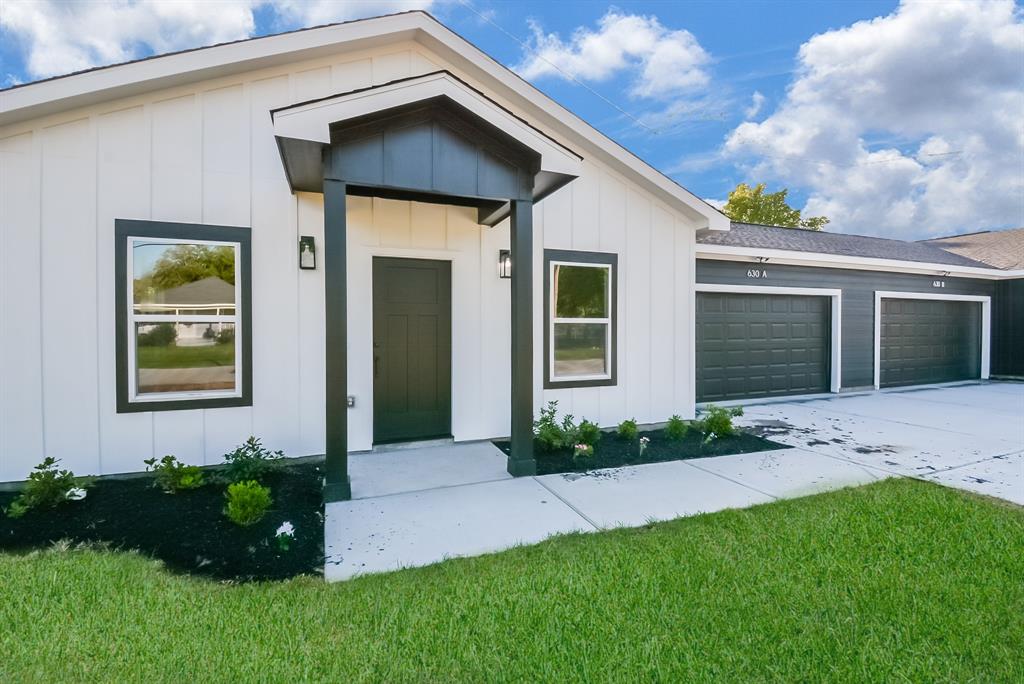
{"type": "Point", "coordinates": [894, 119]}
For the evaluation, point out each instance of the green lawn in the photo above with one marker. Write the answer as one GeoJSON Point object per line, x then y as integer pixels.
{"type": "Point", "coordinates": [186, 357]}
{"type": "Point", "coordinates": [897, 581]}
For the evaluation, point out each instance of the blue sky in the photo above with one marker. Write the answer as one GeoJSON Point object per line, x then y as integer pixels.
{"type": "Point", "coordinates": [901, 120]}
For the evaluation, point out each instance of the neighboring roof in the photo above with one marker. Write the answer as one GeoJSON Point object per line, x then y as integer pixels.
{"type": "Point", "coordinates": [999, 248]}
{"type": "Point", "coordinates": [756, 236]}
{"type": "Point", "coordinates": [209, 290]}
{"type": "Point", "coordinates": [94, 86]}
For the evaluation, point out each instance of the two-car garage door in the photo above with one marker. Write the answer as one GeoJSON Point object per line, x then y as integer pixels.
{"type": "Point", "coordinates": [761, 345]}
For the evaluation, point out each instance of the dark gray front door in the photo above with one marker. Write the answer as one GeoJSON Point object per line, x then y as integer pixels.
{"type": "Point", "coordinates": [412, 349]}
{"type": "Point", "coordinates": [761, 345]}
{"type": "Point", "coordinates": [925, 340]}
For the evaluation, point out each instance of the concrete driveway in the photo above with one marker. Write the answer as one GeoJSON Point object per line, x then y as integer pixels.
{"type": "Point", "coordinates": [967, 436]}
{"type": "Point", "coordinates": [419, 506]}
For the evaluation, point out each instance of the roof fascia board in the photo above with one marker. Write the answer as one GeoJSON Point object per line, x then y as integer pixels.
{"type": "Point", "coordinates": [449, 45]}
{"type": "Point", "coordinates": [794, 258]}
{"type": "Point", "coordinates": [99, 85]}
{"type": "Point", "coordinates": [312, 121]}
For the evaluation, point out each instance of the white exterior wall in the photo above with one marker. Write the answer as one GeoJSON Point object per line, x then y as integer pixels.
{"type": "Point", "coordinates": [205, 154]}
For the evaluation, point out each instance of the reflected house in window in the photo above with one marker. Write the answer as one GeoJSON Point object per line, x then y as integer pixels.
{"type": "Point", "coordinates": [184, 304]}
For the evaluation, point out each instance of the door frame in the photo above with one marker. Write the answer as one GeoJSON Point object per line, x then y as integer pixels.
{"type": "Point", "coordinates": [415, 255]}
{"type": "Point", "coordinates": [836, 319]}
{"type": "Point", "coordinates": [986, 324]}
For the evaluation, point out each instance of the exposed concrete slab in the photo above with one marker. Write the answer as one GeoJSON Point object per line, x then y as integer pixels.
{"type": "Point", "coordinates": [636, 495]}
{"type": "Point", "coordinates": [419, 528]}
{"type": "Point", "coordinates": [985, 397]}
{"type": "Point", "coordinates": [900, 407]}
{"type": "Point", "coordinates": [410, 470]}
{"type": "Point", "coordinates": [790, 472]}
{"type": "Point", "coordinates": [879, 443]}
{"type": "Point", "coordinates": [1001, 476]}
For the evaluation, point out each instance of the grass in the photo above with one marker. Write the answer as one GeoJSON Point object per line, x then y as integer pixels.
{"type": "Point", "coordinates": [897, 581]}
{"type": "Point", "coordinates": [186, 357]}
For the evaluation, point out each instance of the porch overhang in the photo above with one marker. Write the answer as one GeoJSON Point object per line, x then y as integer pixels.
{"type": "Point", "coordinates": [305, 133]}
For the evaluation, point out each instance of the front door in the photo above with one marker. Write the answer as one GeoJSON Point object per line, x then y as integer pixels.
{"type": "Point", "coordinates": [412, 349]}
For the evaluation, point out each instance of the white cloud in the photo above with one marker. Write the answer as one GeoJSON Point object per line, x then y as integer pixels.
{"type": "Point", "coordinates": [61, 37]}
{"type": "Point", "coordinates": [756, 102]}
{"type": "Point", "coordinates": [663, 63]}
{"type": "Point", "coordinates": [946, 79]}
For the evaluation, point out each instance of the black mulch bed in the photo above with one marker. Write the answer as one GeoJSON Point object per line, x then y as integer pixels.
{"type": "Point", "coordinates": [613, 451]}
{"type": "Point", "coordinates": [188, 530]}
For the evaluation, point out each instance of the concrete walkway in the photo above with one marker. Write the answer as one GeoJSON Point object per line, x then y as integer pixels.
{"type": "Point", "coordinates": [417, 507]}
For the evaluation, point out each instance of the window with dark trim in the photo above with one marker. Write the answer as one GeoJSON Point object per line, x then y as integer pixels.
{"type": "Point", "coordinates": [183, 312]}
{"type": "Point", "coordinates": [580, 318]}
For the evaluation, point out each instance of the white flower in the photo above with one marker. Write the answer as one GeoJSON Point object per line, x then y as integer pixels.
{"type": "Point", "coordinates": [285, 530]}
{"type": "Point", "coordinates": [75, 494]}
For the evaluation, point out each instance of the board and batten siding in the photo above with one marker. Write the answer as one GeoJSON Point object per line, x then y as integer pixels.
{"type": "Point", "coordinates": [858, 295]}
{"type": "Point", "coordinates": [204, 153]}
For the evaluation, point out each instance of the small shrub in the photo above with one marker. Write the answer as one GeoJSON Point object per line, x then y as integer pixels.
{"type": "Point", "coordinates": [247, 502]}
{"type": "Point", "coordinates": [46, 487]}
{"type": "Point", "coordinates": [676, 428]}
{"type": "Point", "coordinates": [160, 335]}
{"type": "Point", "coordinates": [582, 452]}
{"type": "Point", "coordinates": [717, 422]}
{"type": "Point", "coordinates": [171, 475]}
{"type": "Point", "coordinates": [588, 433]}
{"type": "Point", "coordinates": [251, 461]}
{"type": "Point", "coordinates": [628, 429]}
{"type": "Point", "coordinates": [551, 434]}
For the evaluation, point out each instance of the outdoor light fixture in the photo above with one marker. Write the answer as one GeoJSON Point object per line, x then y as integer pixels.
{"type": "Point", "coordinates": [504, 263]}
{"type": "Point", "coordinates": [307, 252]}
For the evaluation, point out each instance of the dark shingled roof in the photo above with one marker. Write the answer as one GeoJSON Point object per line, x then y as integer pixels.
{"type": "Point", "coordinates": [821, 242]}
{"type": "Point", "coordinates": [209, 290]}
{"type": "Point", "coordinates": [997, 248]}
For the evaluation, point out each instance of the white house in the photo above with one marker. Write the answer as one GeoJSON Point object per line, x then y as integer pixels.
{"type": "Point", "coordinates": [153, 214]}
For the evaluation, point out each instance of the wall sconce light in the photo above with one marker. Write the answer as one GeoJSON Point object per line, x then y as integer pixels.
{"type": "Point", "coordinates": [505, 263]}
{"type": "Point", "coordinates": [307, 252]}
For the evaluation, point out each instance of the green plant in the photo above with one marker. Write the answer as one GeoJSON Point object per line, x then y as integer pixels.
{"type": "Point", "coordinates": [250, 461]}
{"type": "Point", "coordinates": [160, 335]}
{"type": "Point", "coordinates": [628, 429]}
{"type": "Point", "coordinates": [551, 434]}
{"type": "Point", "coordinates": [676, 428]}
{"type": "Point", "coordinates": [46, 487]}
{"type": "Point", "coordinates": [171, 475]}
{"type": "Point", "coordinates": [582, 451]}
{"type": "Point", "coordinates": [588, 433]}
{"type": "Point", "coordinates": [717, 422]}
{"type": "Point", "coordinates": [247, 502]}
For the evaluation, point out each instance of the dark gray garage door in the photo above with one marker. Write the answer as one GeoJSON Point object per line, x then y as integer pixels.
{"type": "Point", "coordinates": [759, 345]}
{"type": "Point", "coordinates": [925, 341]}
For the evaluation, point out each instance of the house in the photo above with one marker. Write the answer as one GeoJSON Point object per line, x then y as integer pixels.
{"type": "Point", "coordinates": [372, 232]}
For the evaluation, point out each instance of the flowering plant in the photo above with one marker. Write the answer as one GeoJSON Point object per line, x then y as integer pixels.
{"type": "Point", "coordinates": [285, 535]}
{"type": "Point", "coordinates": [583, 451]}
{"type": "Point", "coordinates": [644, 441]}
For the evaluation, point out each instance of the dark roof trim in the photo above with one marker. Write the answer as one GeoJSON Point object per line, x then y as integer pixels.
{"type": "Point", "coordinates": [439, 72]}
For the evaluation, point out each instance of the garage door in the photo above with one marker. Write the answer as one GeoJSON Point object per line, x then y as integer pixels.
{"type": "Point", "coordinates": [761, 345]}
{"type": "Point", "coordinates": [924, 340]}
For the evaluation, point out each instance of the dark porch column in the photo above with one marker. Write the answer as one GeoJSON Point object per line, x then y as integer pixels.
{"type": "Point", "coordinates": [336, 484]}
{"type": "Point", "coordinates": [521, 461]}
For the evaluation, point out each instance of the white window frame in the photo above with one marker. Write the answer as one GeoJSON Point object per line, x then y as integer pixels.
{"type": "Point", "coordinates": [606, 321]}
{"type": "Point", "coordinates": [134, 397]}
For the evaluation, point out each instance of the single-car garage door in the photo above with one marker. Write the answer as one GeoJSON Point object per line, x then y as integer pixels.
{"type": "Point", "coordinates": [929, 340]}
{"type": "Point", "coordinates": [761, 345]}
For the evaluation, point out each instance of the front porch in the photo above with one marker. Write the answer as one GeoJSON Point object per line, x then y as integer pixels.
{"type": "Point", "coordinates": [434, 140]}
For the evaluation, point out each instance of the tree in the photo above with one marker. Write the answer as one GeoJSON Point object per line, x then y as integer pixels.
{"type": "Point", "coordinates": [753, 205]}
{"type": "Point", "coordinates": [182, 264]}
